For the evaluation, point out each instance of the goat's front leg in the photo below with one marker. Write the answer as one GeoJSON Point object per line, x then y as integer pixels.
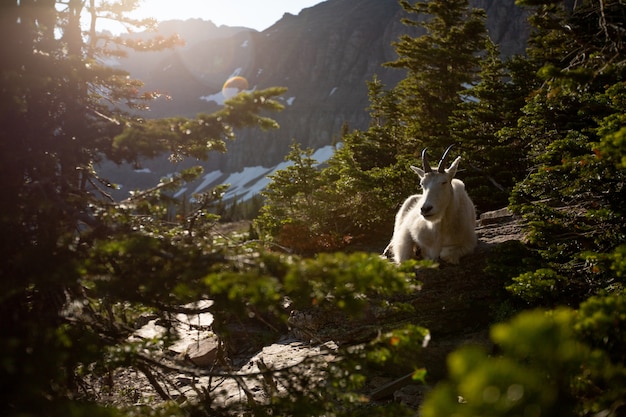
{"type": "Point", "coordinates": [453, 254]}
{"type": "Point", "coordinates": [402, 245]}
{"type": "Point", "coordinates": [400, 240]}
{"type": "Point", "coordinates": [426, 235]}
{"type": "Point", "coordinates": [430, 251]}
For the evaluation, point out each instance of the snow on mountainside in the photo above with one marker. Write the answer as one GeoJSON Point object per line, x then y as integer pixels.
{"type": "Point", "coordinates": [243, 185]}
{"type": "Point", "coordinates": [249, 182]}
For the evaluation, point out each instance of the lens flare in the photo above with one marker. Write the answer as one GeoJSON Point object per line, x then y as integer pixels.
{"type": "Point", "coordinates": [234, 86]}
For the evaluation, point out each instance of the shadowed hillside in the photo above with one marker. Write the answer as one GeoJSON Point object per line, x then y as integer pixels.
{"type": "Point", "coordinates": [324, 56]}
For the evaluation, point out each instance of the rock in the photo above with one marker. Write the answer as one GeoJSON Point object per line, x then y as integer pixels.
{"type": "Point", "coordinates": [202, 320]}
{"type": "Point", "coordinates": [150, 330]}
{"type": "Point", "coordinates": [497, 216]}
{"type": "Point", "coordinates": [196, 342]}
{"type": "Point", "coordinates": [391, 387]}
{"type": "Point", "coordinates": [248, 337]}
{"type": "Point", "coordinates": [319, 325]}
{"type": "Point", "coordinates": [411, 395]}
{"type": "Point", "coordinates": [259, 377]}
{"type": "Point", "coordinates": [144, 319]}
{"type": "Point", "coordinates": [204, 352]}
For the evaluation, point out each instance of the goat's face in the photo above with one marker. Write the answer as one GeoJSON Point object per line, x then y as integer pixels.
{"type": "Point", "coordinates": [437, 187]}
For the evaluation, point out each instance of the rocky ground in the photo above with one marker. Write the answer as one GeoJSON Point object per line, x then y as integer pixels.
{"type": "Point", "coordinates": [455, 302]}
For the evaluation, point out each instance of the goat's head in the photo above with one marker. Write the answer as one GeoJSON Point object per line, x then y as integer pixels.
{"type": "Point", "coordinates": [436, 185]}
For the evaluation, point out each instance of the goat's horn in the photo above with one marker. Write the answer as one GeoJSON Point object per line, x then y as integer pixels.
{"type": "Point", "coordinates": [444, 160]}
{"type": "Point", "coordinates": [425, 163]}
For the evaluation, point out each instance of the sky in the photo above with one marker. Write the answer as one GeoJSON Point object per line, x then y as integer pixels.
{"type": "Point", "coordinates": [255, 14]}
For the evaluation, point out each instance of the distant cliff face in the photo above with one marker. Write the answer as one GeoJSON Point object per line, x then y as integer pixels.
{"type": "Point", "coordinates": [324, 56]}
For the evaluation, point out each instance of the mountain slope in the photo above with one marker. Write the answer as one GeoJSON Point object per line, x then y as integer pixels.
{"type": "Point", "coordinates": [324, 56]}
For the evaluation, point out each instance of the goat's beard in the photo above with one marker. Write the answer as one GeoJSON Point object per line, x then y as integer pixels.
{"type": "Point", "coordinates": [433, 217]}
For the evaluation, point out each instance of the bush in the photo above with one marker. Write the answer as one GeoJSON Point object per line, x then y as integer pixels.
{"type": "Point", "coordinates": [559, 363]}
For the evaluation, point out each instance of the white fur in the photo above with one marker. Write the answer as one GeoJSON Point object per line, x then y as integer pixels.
{"type": "Point", "coordinates": [446, 230]}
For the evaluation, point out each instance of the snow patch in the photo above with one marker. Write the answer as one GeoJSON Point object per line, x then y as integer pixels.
{"type": "Point", "coordinates": [180, 192]}
{"type": "Point", "coordinates": [333, 91]}
{"type": "Point", "coordinates": [217, 98]}
{"type": "Point", "coordinates": [208, 179]}
{"type": "Point", "coordinates": [323, 154]}
{"type": "Point", "coordinates": [251, 181]}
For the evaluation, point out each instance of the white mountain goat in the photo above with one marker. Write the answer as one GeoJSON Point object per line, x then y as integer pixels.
{"type": "Point", "coordinates": [440, 222]}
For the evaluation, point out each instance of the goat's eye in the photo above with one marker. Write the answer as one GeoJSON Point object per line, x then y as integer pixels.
{"type": "Point", "coordinates": [444, 182]}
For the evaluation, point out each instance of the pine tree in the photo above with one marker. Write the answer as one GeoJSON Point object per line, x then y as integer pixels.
{"type": "Point", "coordinates": [482, 125]}
{"type": "Point", "coordinates": [572, 197]}
{"type": "Point", "coordinates": [299, 212]}
{"type": "Point", "coordinates": [61, 111]}
{"type": "Point", "coordinates": [441, 66]}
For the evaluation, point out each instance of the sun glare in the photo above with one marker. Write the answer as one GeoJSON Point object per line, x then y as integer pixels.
{"type": "Point", "coordinates": [234, 86]}
{"type": "Point", "coordinates": [181, 9]}
{"type": "Point", "coordinates": [253, 14]}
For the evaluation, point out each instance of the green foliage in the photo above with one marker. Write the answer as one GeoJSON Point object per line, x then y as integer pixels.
{"type": "Point", "coordinates": [572, 199]}
{"type": "Point", "coordinates": [514, 383]}
{"type": "Point", "coordinates": [348, 277]}
{"type": "Point", "coordinates": [575, 221]}
{"type": "Point", "coordinates": [601, 325]}
{"type": "Point", "coordinates": [290, 193]}
{"type": "Point", "coordinates": [482, 125]}
{"type": "Point", "coordinates": [258, 287]}
{"type": "Point", "coordinates": [619, 262]}
{"type": "Point", "coordinates": [195, 138]}
{"type": "Point", "coordinates": [80, 270]}
{"type": "Point", "coordinates": [302, 211]}
{"type": "Point", "coordinates": [536, 286]}
{"type": "Point", "coordinates": [550, 363]}
{"type": "Point", "coordinates": [78, 267]}
{"type": "Point", "coordinates": [511, 259]}
{"type": "Point", "coordinates": [440, 64]}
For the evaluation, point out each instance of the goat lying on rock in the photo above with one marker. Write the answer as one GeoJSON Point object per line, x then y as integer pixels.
{"type": "Point", "coordinates": [440, 222]}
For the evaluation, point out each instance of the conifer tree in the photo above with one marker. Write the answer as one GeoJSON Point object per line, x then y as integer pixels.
{"type": "Point", "coordinates": [482, 125]}
{"type": "Point", "coordinates": [441, 65]}
{"type": "Point", "coordinates": [61, 111]}
{"type": "Point", "coordinates": [571, 196]}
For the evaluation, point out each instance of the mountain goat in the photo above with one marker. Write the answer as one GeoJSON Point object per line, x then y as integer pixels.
{"type": "Point", "coordinates": [440, 222]}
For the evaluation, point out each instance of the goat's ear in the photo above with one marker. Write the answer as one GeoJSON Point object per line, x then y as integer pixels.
{"type": "Point", "coordinates": [455, 165]}
{"type": "Point", "coordinates": [418, 171]}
